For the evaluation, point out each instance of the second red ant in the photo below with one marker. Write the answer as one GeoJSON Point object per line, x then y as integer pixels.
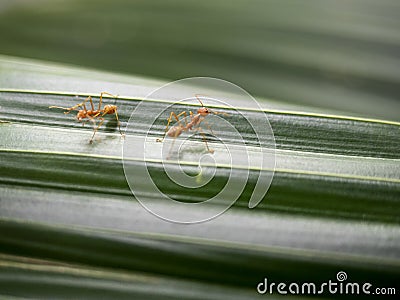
{"type": "Point", "coordinates": [93, 114]}
{"type": "Point", "coordinates": [195, 120]}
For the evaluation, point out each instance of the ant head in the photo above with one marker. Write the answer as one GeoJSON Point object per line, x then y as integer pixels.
{"type": "Point", "coordinates": [110, 109]}
{"type": "Point", "coordinates": [204, 111]}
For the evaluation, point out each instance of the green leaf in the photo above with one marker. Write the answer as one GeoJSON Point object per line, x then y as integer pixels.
{"type": "Point", "coordinates": [70, 225]}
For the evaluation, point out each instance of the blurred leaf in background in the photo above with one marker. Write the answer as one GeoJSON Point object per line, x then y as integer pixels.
{"type": "Point", "coordinates": [343, 55]}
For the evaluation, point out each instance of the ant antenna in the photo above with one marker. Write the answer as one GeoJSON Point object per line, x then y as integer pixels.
{"type": "Point", "coordinates": [197, 96]}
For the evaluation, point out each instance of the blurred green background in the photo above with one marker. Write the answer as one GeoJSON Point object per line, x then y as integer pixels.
{"type": "Point", "coordinates": [342, 55]}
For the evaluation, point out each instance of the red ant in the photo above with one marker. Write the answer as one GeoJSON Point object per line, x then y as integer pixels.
{"type": "Point", "coordinates": [93, 114]}
{"type": "Point", "coordinates": [195, 119]}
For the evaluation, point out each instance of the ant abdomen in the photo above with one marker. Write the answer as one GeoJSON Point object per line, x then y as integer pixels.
{"type": "Point", "coordinates": [175, 131]}
{"type": "Point", "coordinates": [110, 109]}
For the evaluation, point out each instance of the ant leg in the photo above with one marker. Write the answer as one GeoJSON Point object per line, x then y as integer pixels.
{"type": "Point", "coordinates": [170, 149]}
{"type": "Point", "coordinates": [91, 103]}
{"type": "Point", "coordinates": [101, 97]}
{"type": "Point", "coordinates": [116, 116]}
{"type": "Point", "coordinates": [169, 121]}
{"type": "Point", "coordinates": [84, 122]}
{"type": "Point", "coordinates": [204, 138]}
{"type": "Point", "coordinates": [95, 130]}
{"type": "Point", "coordinates": [119, 123]}
{"type": "Point", "coordinates": [89, 118]}
{"type": "Point", "coordinates": [84, 105]}
{"type": "Point", "coordinates": [208, 126]}
{"type": "Point", "coordinates": [69, 109]}
{"type": "Point", "coordinates": [177, 133]}
{"type": "Point", "coordinates": [191, 116]}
